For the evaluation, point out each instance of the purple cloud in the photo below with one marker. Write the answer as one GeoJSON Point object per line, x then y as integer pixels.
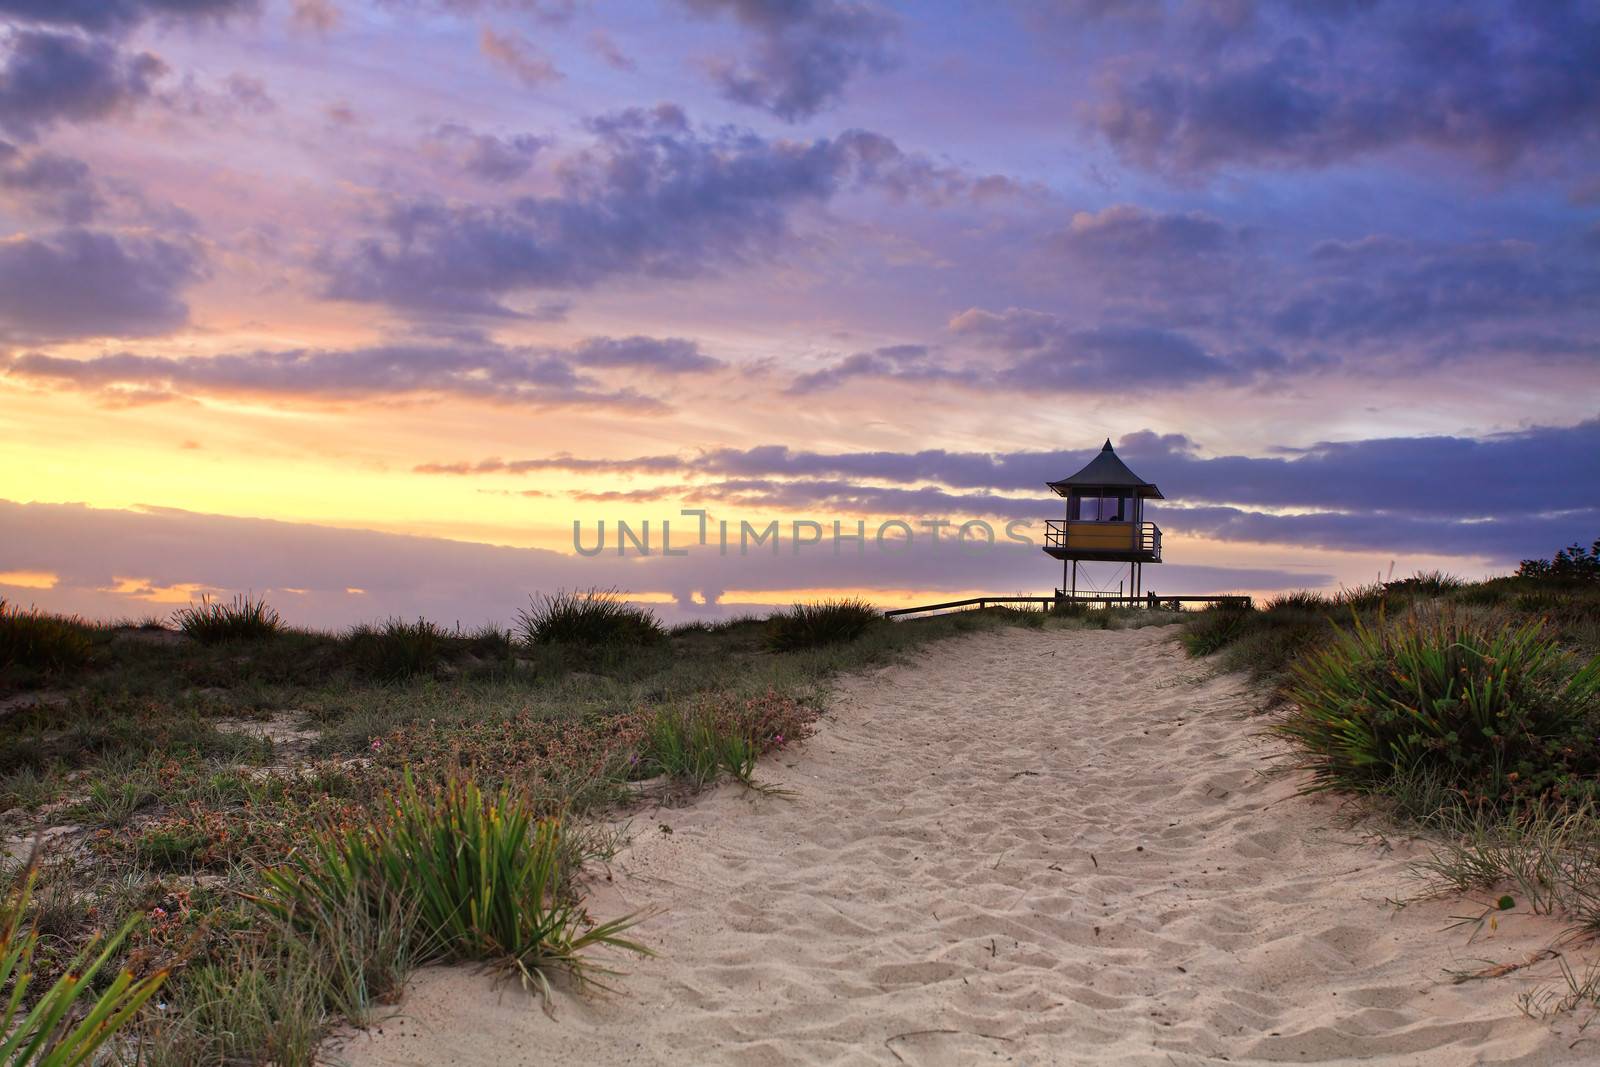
{"type": "Point", "coordinates": [103, 15]}
{"type": "Point", "coordinates": [519, 56]}
{"type": "Point", "coordinates": [48, 185]}
{"type": "Point", "coordinates": [651, 198]}
{"type": "Point", "coordinates": [1311, 85]}
{"type": "Point", "coordinates": [663, 356]}
{"type": "Point", "coordinates": [1503, 496]}
{"type": "Point", "coordinates": [806, 51]}
{"type": "Point", "coordinates": [53, 77]}
{"type": "Point", "coordinates": [485, 156]}
{"type": "Point", "coordinates": [79, 283]}
{"type": "Point", "coordinates": [534, 377]}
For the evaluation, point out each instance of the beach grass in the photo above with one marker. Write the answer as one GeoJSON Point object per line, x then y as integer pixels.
{"type": "Point", "coordinates": [592, 618]}
{"type": "Point", "coordinates": [828, 622]}
{"type": "Point", "coordinates": [244, 618]}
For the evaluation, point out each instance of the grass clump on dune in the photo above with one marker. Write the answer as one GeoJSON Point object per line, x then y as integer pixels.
{"type": "Point", "coordinates": [396, 650]}
{"type": "Point", "coordinates": [484, 876]}
{"type": "Point", "coordinates": [593, 618]}
{"type": "Point", "coordinates": [828, 622]}
{"type": "Point", "coordinates": [213, 622]}
{"type": "Point", "coordinates": [1493, 711]}
{"type": "Point", "coordinates": [34, 641]}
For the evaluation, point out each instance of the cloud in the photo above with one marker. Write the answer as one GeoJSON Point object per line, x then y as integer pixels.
{"type": "Point", "coordinates": [652, 197]}
{"type": "Point", "coordinates": [48, 185]}
{"type": "Point", "coordinates": [517, 55]}
{"type": "Point", "coordinates": [53, 77]}
{"type": "Point", "coordinates": [1312, 86]}
{"type": "Point", "coordinates": [483, 155]}
{"type": "Point", "coordinates": [78, 283]}
{"type": "Point", "coordinates": [1379, 289]}
{"type": "Point", "coordinates": [559, 462]}
{"type": "Point", "coordinates": [1124, 231]}
{"type": "Point", "coordinates": [605, 46]}
{"type": "Point", "coordinates": [1502, 496]}
{"type": "Point", "coordinates": [536, 377]}
{"type": "Point", "coordinates": [906, 363]}
{"type": "Point", "coordinates": [806, 52]}
{"type": "Point", "coordinates": [104, 15]}
{"type": "Point", "coordinates": [544, 12]}
{"type": "Point", "coordinates": [663, 356]}
{"type": "Point", "coordinates": [318, 16]}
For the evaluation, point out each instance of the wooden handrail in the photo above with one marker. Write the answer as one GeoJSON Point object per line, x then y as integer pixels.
{"type": "Point", "coordinates": [1149, 600]}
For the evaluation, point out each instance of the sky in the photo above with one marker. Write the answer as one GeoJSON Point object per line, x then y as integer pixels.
{"type": "Point", "coordinates": [382, 307]}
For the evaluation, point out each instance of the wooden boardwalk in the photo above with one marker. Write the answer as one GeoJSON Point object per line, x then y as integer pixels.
{"type": "Point", "coordinates": [1148, 600]}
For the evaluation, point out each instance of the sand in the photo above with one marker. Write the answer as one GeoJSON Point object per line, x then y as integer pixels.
{"type": "Point", "coordinates": [1025, 847]}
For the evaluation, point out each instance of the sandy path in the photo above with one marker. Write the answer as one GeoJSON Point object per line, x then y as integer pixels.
{"type": "Point", "coordinates": [1025, 847]}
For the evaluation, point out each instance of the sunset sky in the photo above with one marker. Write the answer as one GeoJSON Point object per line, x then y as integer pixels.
{"type": "Point", "coordinates": [360, 304]}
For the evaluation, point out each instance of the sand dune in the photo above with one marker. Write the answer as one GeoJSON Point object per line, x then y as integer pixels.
{"type": "Point", "coordinates": [1024, 847]}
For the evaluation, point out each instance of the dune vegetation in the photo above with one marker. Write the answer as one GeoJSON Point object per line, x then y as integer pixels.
{"type": "Point", "coordinates": [272, 812]}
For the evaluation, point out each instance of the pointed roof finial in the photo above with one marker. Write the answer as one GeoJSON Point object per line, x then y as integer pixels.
{"type": "Point", "coordinates": [1107, 471]}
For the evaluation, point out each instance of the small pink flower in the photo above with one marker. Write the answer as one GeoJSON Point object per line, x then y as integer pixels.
{"type": "Point", "coordinates": [376, 744]}
{"type": "Point", "coordinates": [779, 739]}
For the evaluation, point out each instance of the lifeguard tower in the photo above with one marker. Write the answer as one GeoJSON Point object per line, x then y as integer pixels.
{"type": "Point", "coordinates": [1104, 523]}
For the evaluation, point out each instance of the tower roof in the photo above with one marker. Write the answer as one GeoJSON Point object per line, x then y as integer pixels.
{"type": "Point", "coordinates": [1106, 471]}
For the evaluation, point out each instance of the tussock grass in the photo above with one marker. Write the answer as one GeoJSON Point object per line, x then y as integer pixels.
{"type": "Point", "coordinates": [396, 649]}
{"type": "Point", "coordinates": [482, 872]}
{"type": "Point", "coordinates": [34, 641]}
{"type": "Point", "coordinates": [593, 617]}
{"type": "Point", "coordinates": [244, 618]}
{"type": "Point", "coordinates": [1493, 711]}
{"type": "Point", "coordinates": [828, 622]}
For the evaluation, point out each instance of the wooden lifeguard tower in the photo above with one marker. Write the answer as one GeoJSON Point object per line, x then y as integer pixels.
{"type": "Point", "coordinates": [1104, 523]}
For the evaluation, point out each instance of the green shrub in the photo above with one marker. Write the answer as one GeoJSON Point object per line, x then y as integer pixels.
{"type": "Point", "coordinates": [212, 622]}
{"type": "Point", "coordinates": [69, 1022]}
{"type": "Point", "coordinates": [828, 622]}
{"type": "Point", "coordinates": [396, 650]}
{"type": "Point", "coordinates": [1215, 628]}
{"type": "Point", "coordinates": [1491, 710]}
{"type": "Point", "coordinates": [483, 875]}
{"type": "Point", "coordinates": [595, 617]}
{"type": "Point", "coordinates": [36, 641]}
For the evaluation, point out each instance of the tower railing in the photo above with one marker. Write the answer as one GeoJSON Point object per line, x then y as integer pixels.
{"type": "Point", "coordinates": [1090, 536]}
